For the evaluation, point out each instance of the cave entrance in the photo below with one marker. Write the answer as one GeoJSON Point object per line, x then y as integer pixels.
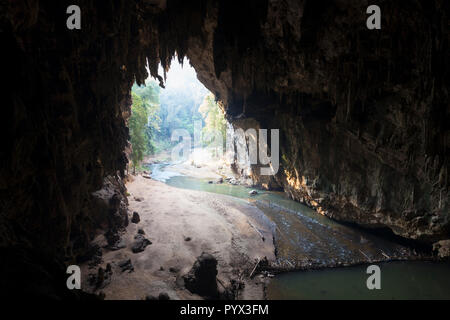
{"type": "Point", "coordinates": [178, 122]}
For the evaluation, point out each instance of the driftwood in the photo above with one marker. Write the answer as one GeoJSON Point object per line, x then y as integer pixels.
{"type": "Point", "coordinates": [254, 269]}
{"type": "Point", "coordinates": [365, 255]}
{"type": "Point", "coordinates": [251, 224]}
{"type": "Point", "coordinates": [384, 254]}
{"type": "Point", "coordinates": [290, 263]}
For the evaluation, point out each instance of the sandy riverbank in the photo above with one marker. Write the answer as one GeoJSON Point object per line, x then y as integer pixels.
{"type": "Point", "coordinates": [227, 228]}
{"type": "Point", "coordinates": [200, 164]}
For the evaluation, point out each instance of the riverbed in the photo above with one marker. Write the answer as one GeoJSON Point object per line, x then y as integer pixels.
{"type": "Point", "coordinates": [332, 257]}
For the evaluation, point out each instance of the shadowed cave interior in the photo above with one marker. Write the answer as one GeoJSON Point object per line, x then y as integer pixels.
{"type": "Point", "coordinates": [363, 114]}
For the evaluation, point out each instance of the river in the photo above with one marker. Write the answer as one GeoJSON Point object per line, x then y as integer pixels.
{"type": "Point", "coordinates": [308, 241]}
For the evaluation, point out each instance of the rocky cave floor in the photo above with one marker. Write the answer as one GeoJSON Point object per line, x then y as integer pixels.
{"type": "Point", "coordinates": [162, 252]}
{"type": "Point", "coordinates": [184, 244]}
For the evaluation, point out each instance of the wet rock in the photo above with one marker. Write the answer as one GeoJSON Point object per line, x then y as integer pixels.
{"type": "Point", "coordinates": [141, 231]}
{"type": "Point", "coordinates": [138, 199]}
{"type": "Point", "coordinates": [201, 279]}
{"type": "Point", "coordinates": [140, 243]}
{"type": "Point", "coordinates": [126, 265]}
{"type": "Point", "coordinates": [187, 239]}
{"type": "Point", "coordinates": [135, 218]}
{"type": "Point", "coordinates": [210, 182]}
{"type": "Point", "coordinates": [442, 248]}
{"type": "Point", "coordinates": [253, 192]}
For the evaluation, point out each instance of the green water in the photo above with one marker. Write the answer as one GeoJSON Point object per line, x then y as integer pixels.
{"type": "Point", "coordinates": [399, 280]}
{"type": "Point", "coordinates": [304, 238]}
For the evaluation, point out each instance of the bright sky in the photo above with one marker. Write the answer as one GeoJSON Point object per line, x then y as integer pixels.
{"type": "Point", "coordinates": [178, 76]}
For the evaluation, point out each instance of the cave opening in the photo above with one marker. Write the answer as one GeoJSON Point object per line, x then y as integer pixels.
{"type": "Point", "coordinates": [179, 120]}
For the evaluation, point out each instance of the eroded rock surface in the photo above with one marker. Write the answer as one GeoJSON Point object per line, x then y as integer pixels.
{"type": "Point", "coordinates": [362, 114]}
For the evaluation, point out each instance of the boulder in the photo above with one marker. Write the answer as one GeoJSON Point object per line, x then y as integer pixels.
{"type": "Point", "coordinates": [163, 296]}
{"type": "Point", "coordinates": [140, 243]}
{"type": "Point", "coordinates": [126, 265]}
{"type": "Point", "coordinates": [201, 279]}
{"type": "Point", "coordinates": [135, 218]}
{"type": "Point", "coordinates": [442, 248]}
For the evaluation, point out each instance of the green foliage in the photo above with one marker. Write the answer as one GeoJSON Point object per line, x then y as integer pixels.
{"type": "Point", "coordinates": [214, 118]}
{"type": "Point", "coordinates": [176, 107]}
{"type": "Point", "coordinates": [137, 125]}
{"type": "Point", "coordinates": [179, 109]}
{"type": "Point", "coordinates": [144, 121]}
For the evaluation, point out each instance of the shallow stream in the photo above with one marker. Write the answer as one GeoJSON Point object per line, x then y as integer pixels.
{"type": "Point", "coordinates": [306, 240]}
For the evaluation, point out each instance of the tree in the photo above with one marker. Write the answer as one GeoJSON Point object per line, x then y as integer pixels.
{"type": "Point", "coordinates": [137, 124]}
{"type": "Point", "coordinates": [215, 122]}
{"type": "Point", "coordinates": [148, 97]}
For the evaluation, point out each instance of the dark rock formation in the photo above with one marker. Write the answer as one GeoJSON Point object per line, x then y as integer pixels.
{"type": "Point", "coordinates": [201, 279]}
{"type": "Point", "coordinates": [140, 243]}
{"type": "Point", "coordinates": [126, 265]}
{"type": "Point", "coordinates": [442, 249]}
{"type": "Point", "coordinates": [362, 114]}
{"type": "Point", "coordinates": [161, 296]}
{"type": "Point", "coordinates": [102, 278]}
{"type": "Point", "coordinates": [135, 218]}
{"type": "Point", "coordinates": [63, 128]}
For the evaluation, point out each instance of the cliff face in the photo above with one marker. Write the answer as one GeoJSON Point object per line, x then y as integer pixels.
{"type": "Point", "coordinates": [63, 131]}
{"type": "Point", "coordinates": [362, 114]}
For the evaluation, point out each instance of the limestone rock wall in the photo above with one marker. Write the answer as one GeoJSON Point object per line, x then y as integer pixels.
{"type": "Point", "coordinates": [362, 114]}
{"type": "Point", "coordinates": [63, 130]}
